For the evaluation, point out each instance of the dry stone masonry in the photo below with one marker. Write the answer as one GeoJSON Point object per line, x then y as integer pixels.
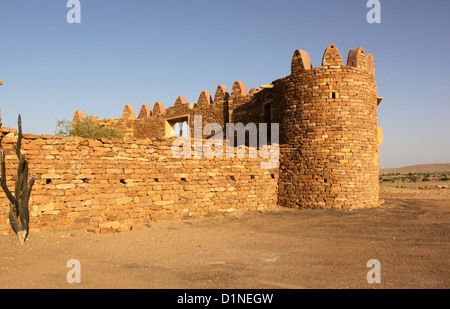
{"type": "Point", "coordinates": [329, 154]}
{"type": "Point", "coordinates": [123, 184]}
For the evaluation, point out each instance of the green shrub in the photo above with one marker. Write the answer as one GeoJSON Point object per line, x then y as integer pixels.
{"type": "Point", "coordinates": [444, 178]}
{"type": "Point", "coordinates": [86, 128]}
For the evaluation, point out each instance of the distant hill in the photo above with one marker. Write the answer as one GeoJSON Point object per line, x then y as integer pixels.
{"type": "Point", "coordinates": [422, 168]}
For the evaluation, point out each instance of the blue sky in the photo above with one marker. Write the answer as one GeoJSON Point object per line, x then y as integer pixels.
{"type": "Point", "coordinates": [136, 51]}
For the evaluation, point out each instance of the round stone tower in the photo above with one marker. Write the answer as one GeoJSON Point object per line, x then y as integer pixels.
{"type": "Point", "coordinates": [329, 143]}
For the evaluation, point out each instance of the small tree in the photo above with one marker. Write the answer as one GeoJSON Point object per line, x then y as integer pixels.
{"type": "Point", "coordinates": [19, 216]}
{"type": "Point", "coordinates": [63, 127]}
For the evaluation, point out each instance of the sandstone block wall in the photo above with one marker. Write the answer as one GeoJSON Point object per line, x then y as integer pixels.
{"type": "Point", "coordinates": [109, 183]}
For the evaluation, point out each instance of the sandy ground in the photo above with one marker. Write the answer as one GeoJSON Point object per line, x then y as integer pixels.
{"type": "Point", "coordinates": [290, 249]}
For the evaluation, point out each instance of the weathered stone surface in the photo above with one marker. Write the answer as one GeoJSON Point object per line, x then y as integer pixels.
{"type": "Point", "coordinates": [329, 142]}
{"type": "Point", "coordinates": [84, 187]}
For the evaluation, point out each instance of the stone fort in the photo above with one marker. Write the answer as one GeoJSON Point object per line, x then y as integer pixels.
{"type": "Point", "coordinates": [328, 154]}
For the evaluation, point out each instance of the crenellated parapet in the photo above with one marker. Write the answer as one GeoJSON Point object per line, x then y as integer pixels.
{"type": "Point", "coordinates": [357, 58]}
{"type": "Point", "coordinates": [158, 109]}
{"type": "Point", "coordinates": [157, 122]}
{"type": "Point", "coordinates": [145, 111]}
{"type": "Point", "coordinates": [221, 94]}
{"type": "Point", "coordinates": [204, 99]}
{"type": "Point", "coordinates": [332, 57]}
{"type": "Point", "coordinates": [128, 113]}
{"type": "Point", "coordinates": [239, 89]}
{"type": "Point", "coordinates": [300, 62]}
{"type": "Point", "coordinates": [180, 101]}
